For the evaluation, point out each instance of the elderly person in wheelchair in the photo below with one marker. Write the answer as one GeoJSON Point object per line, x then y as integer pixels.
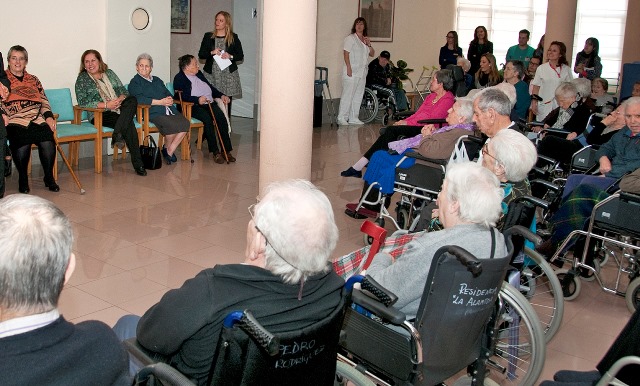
{"type": "Point", "coordinates": [285, 280]}
{"type": "Point", "coordinates": [468, 216]}
{"type": "Point", "coordinates": [435, 106]}
{"type": "Point", "coordinates": [433, 143]}
{"type": "Point", "coordinates": [379, 79]}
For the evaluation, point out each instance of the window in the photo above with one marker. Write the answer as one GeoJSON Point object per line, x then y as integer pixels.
{"type": "Point", "coordinates": [503, 19]}
{"type": "Point", "coordinates": [605, 21]}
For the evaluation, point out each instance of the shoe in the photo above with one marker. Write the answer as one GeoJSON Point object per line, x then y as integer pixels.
{"type": "Point", "coordinates": [166, 156]}
{"type": "Point", "coordinates": [23, 186]}
{"type": "Point", "coordinates": [118, 142]}
{"type": "Point", "coordinates": [174, 158]}
{"type": "Point", "coordinates": [342, 122]}
{"type": "Point", "coordinates": [140, 171]}
{"type": "Point", "coordinates": [218, 158]}
{"type": "Point", "coordinates": [52, 186]}
{"type": "Point", "coordinates": [231, 158]}
{"type": "Point", "coordinates": [356, 122]}
{"type": "Point", "coordinates": [351, 172]}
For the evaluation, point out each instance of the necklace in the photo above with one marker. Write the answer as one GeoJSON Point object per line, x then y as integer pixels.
{"type": "Point", "coordinates": [436, 99]}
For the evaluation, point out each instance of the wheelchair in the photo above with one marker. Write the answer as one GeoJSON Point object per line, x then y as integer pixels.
{"type": "Point", "coordinates": [377, 105]}
{"type": "Point", "coordinates": [614, 225]}
{"type": "Point", "coordinates": [501, 340]}
{"type": "Point", "coordinates": [418, 185]}
{"type": "Point", "coordinates": [248, 354]}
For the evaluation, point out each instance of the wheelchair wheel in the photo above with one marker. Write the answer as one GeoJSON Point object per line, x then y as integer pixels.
{"type": "Point", "coordinates": [368, 107]}
{"type": "Point", "coordinates": [571, 285]}
{"type": "Point", "coordinates": [347, 375]}
{"type": "Point", "coordinates": [404, 222]}
{"type": "Point", "coordinates": [385, 119]}
{"type": "Point", "coordinates": [540, 285]}
{"type": "Point", "coordinates": [368, 240]}
{"type": "Point", "coordinates": [632, 296]}
{"type": "Point", "coordinates": [519, 350]}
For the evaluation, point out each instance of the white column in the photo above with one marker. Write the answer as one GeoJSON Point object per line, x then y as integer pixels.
{"type": "Point", "coordinates": [286, 100]}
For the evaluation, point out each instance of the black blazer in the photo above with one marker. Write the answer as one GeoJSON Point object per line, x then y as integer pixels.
{"type": "Point", "coordinates": [234, 49]}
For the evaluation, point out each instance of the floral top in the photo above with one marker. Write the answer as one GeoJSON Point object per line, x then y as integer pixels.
{"type": "Point", "coordinates": [87, 92]}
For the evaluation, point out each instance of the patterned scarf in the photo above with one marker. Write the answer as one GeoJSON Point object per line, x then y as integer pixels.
{"type": "Point", "coordinates": [563, 118]}
{"type": "Point", "coordinates": [105, 89]}
{"type": "Point", "coordinates": [407, 143]}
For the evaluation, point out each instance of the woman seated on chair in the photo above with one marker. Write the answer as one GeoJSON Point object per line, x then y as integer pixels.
{"type": "Point", "coordinates": [599, 92]}
{"type": "Point", "coordinates": [571, 115]}
{"type": "Point", "coordinates": [487, 75]}
{"type": "Point", "coordinates": [100, 88]}
{"type": "Point", "coordinates": [150, 90]}
{"type": "Point", "coordinates": [435, 106]}
{"type": "Point", "coordinates": [468, 216]}
{"type": "Point", "coordinates": [30, 121]}
{"type": "Point", "coordinates": [191, 86]}
{"type": "Point", "coordinates": [434, 143]}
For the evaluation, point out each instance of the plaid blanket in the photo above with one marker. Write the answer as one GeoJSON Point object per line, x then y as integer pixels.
{"type": "Point", "coordinates": [352, 263]}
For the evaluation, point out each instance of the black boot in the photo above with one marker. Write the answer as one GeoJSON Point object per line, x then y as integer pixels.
{"type": "Point", "coordinates": [23, 184]}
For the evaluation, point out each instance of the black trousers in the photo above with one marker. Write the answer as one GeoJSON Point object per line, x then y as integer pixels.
{"type": "Point", "coordinates": [202, 113]}
{"type": "Point", "coordinates": [20, 141]}
{"type": "Point", "coordinates": [123, 126]}
{"type": "Point", "coordinates": [3, 146]}
{"type": "Point", "coordinates": [392, 133]}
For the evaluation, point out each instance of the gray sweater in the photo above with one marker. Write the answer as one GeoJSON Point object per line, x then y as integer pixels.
{"type": "Point", "coordinates": [407, 276]}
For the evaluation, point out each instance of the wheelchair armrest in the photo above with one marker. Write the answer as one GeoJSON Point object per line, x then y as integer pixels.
{"type": "Point", "coordinates": [626, 196]}
{"type": "Point", "coordinates": [144, 356]}
{"type": "Point", "coordinates": [519, 230]}
{"type": "Point", "coordinates": [544, 204]}
{"type": "Point", "coordinates": [556, 132]}
{"type": "Point", "coordinates": [382, 294]}
{"type": "Point", "coordinates": [388, 314]}
{"type": "Point", "coordinates": [403, 114]}
{"type": "Point", "coordinates": [437, 121]}
{"type": "Point", "coordinates": [164, 373]}
{"type": "Point", "coordinates": [535, 123]}
{"type": "Point", "coordinates": [549, 185]}
{"type": "Point", "coordinates": [546, 159]}
{"type": "Point", "coordinates": [416, 155]}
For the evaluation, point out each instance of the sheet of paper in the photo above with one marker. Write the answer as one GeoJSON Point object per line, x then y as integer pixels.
{"type": "Point", "coordinates": [222, 63]}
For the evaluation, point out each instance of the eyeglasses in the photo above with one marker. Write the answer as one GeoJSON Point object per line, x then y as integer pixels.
{"type": "Point", "coordinates": [252, 209]}
{"type": "Point", "coordinates": [450, 37]}
{"type": "Point", "coordinates": [485, 152]}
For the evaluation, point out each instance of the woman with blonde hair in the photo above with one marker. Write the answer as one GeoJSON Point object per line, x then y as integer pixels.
{"type": "Point", "coordinates": [487, 75]}
{"type": "Point", "coordinates": [223, 42]}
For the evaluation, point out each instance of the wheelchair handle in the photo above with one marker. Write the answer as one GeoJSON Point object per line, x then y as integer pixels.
{"type": "Point", "coordinates": [535, 201]}
{"type": "Point", "coordinates": [465, 257]}
{"type": "Point", "coordinates": [248, 323]}
{"type": "Point", "coordinates": [385, 296]}
{"type": "Point", "coordinates": [549, 185]}
{"type": "Point", "coordinates": [519, 230]}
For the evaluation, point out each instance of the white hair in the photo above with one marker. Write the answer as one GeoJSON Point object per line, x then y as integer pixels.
{"type": "Point", "coordinates": [493, 98]}
{"type": "Point", "coordinates": [465, 109]}
{"type": "Point", "coordinates": [464, 63]}
{"type": "Point", "coordinates": [35, 247]}
{"type": "Point", "coordinates": [297, 220]}
{"type": "Point", "coordinates": [145, 56]}
{"type": "Point", "coordinates": [509, 90]}
{"type": "Point", "coordinates": [566, 90]}
{"type": "Point", "coordinates": [629, 102]}
{"type": "Point", "coordinates": [583, 86]}
{"type": "Point", "coordinates": [477, 192]}
{"type": "Point", "coordinates": [515, 152]}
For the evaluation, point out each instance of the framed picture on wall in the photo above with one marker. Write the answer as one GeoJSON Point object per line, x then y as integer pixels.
{"type": "Point", "coordinates": [379, 16]}
{"type": "Point", "coordinates": [181, 16]}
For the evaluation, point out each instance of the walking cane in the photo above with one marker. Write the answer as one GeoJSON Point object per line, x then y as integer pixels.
{"type": "Point", "coordinates": [66, 161]}
{"type": "Point", "coordinates": [219, 136]}
{"type": "Point", "coordinates": [179, 92]}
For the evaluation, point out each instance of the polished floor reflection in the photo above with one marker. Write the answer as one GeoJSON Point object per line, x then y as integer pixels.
{"type": "Point", "coordinates": [137, 237]}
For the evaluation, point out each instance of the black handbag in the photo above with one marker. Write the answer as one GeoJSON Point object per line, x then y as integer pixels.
{"type": "Point", "coordinates": [151, 157]}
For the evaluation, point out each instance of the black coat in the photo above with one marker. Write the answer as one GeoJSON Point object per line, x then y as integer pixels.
{"type": "Point", "coordinates": [235, 49]}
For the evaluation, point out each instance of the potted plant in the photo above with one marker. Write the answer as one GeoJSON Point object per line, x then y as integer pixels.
{"type": "Point", "coordinates": [399, 72]}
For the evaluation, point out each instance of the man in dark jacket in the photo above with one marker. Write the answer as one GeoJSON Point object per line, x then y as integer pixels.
{"type": "Point", "coordinates": [285, 281]}
{"type": "Point", "coordinates": [379, 78]}
{"type": "Point", "coordinates": [37, 345]}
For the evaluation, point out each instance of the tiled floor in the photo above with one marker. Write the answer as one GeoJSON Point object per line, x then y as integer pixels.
{"type": "Point", "coordinates": [137, 237]}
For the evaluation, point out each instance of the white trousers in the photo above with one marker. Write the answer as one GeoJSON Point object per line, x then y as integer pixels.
{"type": "Point", "coordinates": [352, 94]}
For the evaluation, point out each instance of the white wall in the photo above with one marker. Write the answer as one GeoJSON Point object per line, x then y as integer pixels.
{"type": "Point", "coordinates": [62, 30]}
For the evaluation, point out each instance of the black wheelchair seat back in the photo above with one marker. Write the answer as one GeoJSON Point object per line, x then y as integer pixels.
{"type": "Point", "coordinates": [304, 356]}
{"type": "Point", "coordinates": [460, 88]}
{"type": "Point", "coordinates": [620, 214]}
{"type": "Point", "coordinates": [584, 160]}
{"type": "Point", "coordinates": [457, 303]}
{"type": "Point", "coordinates": [456, 306]}
{"type": "Point", "coordinates": [427, 175]}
